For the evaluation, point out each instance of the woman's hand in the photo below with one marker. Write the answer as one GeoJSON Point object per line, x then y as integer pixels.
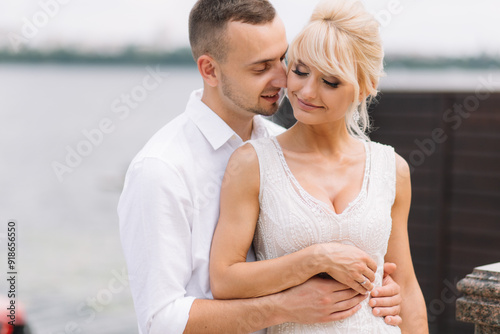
{"type": "Point", "coordinates": [348, 265]}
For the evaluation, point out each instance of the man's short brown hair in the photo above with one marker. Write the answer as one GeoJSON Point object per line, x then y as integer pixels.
{"type": "Point", "coordinates": [209, 18]}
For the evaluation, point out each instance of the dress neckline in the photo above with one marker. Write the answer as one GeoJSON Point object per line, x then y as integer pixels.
{"type": "Point", "coordinates": [328, 206]}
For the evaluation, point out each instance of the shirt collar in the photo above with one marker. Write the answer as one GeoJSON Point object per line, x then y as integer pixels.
{"type": "Point", "coordinates": [259, 129]}
{"type": "Point", "coordinates": [213, 128]}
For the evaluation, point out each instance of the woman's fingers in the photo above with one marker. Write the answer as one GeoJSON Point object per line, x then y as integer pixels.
{"type": "Point", "coordinates": [371, 264]}
{"type": "Point", "coordinates": [358, 287]}
{"type": "Point", "coordinates": [369, 274]}
{"type": "Point", "coordinates": [366, 279]}
{"type": "Point", "coordinates": [365, 283]}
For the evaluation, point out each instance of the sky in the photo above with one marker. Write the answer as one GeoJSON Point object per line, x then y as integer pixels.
{"type": "Point", "coordinates": [415, 27]}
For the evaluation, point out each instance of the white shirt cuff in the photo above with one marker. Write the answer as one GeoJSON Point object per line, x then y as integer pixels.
{"type": "Point", "coordinates": [173, 318]}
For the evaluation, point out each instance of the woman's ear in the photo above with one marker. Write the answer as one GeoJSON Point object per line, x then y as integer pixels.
{"type": "Point", "coordinates": [363, 94]}
{"type": "Point", "coordinates": [207, 66]}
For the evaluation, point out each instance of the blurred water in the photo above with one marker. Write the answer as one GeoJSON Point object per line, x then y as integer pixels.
{"type": "Point", "coordinates": [69, 249]}
{"type": "Point", "coordinates": [71, 263]}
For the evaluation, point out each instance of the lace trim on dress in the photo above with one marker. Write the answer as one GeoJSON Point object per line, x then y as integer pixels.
{"type": "Point", "coordinates": [312, 201]}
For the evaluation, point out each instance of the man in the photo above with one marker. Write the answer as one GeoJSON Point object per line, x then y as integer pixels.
{"type": "Point", "coordinates": [170, 203]}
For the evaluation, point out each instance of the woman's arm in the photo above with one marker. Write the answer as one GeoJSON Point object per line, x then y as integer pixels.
{"type": "Point", "coordinates": [232, 277]}
{"type": "Point", "coordinates": [413, 311]}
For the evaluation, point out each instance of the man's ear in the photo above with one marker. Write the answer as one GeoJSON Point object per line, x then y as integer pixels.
{"type": "Point", "coordinates": [207, 66]}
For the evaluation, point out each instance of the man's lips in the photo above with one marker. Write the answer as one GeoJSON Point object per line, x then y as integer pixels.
{"type": "Point", "coordinates": [271, 97]}
{"type": "Point", "coordinates": [306, 105]}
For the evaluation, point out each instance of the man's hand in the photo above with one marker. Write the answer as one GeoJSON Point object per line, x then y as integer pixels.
{"type": "Point", "coordinates": [319, 300]}
{"type": "Point", "coordinates": [386, 300]}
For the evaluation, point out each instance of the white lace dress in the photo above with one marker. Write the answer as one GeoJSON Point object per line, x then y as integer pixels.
{"type": "Point", "coordinates": [291, 219]}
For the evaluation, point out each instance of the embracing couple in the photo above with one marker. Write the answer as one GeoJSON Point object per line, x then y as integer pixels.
{"type": "Point", "coordinates": [230, 224]}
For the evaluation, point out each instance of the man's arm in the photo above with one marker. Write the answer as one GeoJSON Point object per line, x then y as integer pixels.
{"type": "Point", "coordinates": [156, 238]}
{"type": "Point", "coordinates": [317, 300]}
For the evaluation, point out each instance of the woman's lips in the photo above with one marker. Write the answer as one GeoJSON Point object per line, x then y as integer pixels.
{"type": "Point", "coordinates": [307, 106]}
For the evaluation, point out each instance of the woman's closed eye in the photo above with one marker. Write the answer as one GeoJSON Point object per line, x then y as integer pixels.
{"type": "Point", "coordinates": [299, 73]}
{"type": "Point", "coordinates": [303, 74]}
{"type": "Point", "coordinates": [331, 84]}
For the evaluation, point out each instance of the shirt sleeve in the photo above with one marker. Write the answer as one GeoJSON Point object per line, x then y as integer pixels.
{"type": "Point", "coordinates": [155, 230]}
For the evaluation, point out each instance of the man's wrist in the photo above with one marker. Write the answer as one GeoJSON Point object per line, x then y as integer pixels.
{"type": "Point", "coordinates": [276, 303]}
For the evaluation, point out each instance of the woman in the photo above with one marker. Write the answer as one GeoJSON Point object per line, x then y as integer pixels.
{"type": "Point", "coordinates": [321, 198]}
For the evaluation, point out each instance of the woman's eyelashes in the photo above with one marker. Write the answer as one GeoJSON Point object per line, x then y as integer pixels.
{"type": "Point", "coordinates": [303, 74]}
{"type": "Point", "coordinates": [331, 84]}
{"type": "Point", "coordinates": [299, 73]}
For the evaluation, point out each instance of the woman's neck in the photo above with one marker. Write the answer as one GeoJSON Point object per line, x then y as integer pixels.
{"type": "Point", "coordinates": [326, 139]}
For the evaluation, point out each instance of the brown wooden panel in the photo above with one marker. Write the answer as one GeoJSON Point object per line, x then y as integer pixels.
{"type": "Point", "coordinates": [403, 122]}
{"type": "Point", "coordinates": [473, 243]}
{"type": "Point", "coordinates": [488, 163]}
{"type": "Point", "coordinates": [476, 182]}
{"type": "Point", "coordinates": [479, 123]}
{"type": "Point", "coordinates": [481, 143]}
{"type": "Point", "coordinates": [466, 258]}
{"type": "Point", "coordinates": [454, 222]}
{"type": "Point", "coordinates": [477, 200]}
{"type": "Point", "coordinates": [484, 221]}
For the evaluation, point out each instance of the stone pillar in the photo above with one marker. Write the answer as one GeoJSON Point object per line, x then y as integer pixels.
{"type": "Point", "coordinates": [480, 303]}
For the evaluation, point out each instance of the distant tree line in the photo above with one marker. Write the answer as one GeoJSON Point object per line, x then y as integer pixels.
{"type": "Point", "coordinates": [130, 55]}
{"type": "Point", "coordinates": [183, 57]}
{"type": "Point", "coordinates": [478, 62]}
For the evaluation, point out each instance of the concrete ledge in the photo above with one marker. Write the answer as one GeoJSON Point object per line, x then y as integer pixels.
{"type": "Point", "coordinates": [481, 301]}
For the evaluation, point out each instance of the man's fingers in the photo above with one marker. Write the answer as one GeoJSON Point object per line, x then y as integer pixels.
{"type": "Point", "coordinates": [336, 285]}
{"type": "Point", "coordinates": [389, 268]}
{"type": "Point", "coordinates": [386, 311]}
{"type": "Point", "coordinates": [388, 290]}
{"type": "Point", "coordinates": [385, 301]}
{"type": "Point", "coordinates": [348, 305]}
{"type": "Point", "coordinates": [393, 320]}
{"type": "Point", "coordinates": [343, 314]}
{"type": "Point", "coordinates": [344, 295]}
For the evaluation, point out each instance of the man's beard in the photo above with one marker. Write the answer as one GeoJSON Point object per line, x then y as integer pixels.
{"type": "Point", "coordinates": [238, 100]}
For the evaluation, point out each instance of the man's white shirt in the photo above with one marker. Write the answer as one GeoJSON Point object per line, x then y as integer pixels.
{"type": "Point", "coordinates": [168, 211]}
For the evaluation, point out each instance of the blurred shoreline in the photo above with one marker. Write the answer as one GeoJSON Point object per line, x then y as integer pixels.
{"type": "Point", "coordinates": [182, 57]}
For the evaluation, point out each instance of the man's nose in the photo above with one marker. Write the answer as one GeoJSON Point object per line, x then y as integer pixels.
{"type": "Point", "coordinates": [279, 79]}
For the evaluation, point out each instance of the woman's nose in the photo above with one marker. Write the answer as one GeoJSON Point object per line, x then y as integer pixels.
{"type": "Point", "coordinates": [310, 89]}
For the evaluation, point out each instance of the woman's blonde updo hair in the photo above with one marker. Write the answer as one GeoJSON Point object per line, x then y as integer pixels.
{"type": "Point", "coordinates": [342, 39]}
